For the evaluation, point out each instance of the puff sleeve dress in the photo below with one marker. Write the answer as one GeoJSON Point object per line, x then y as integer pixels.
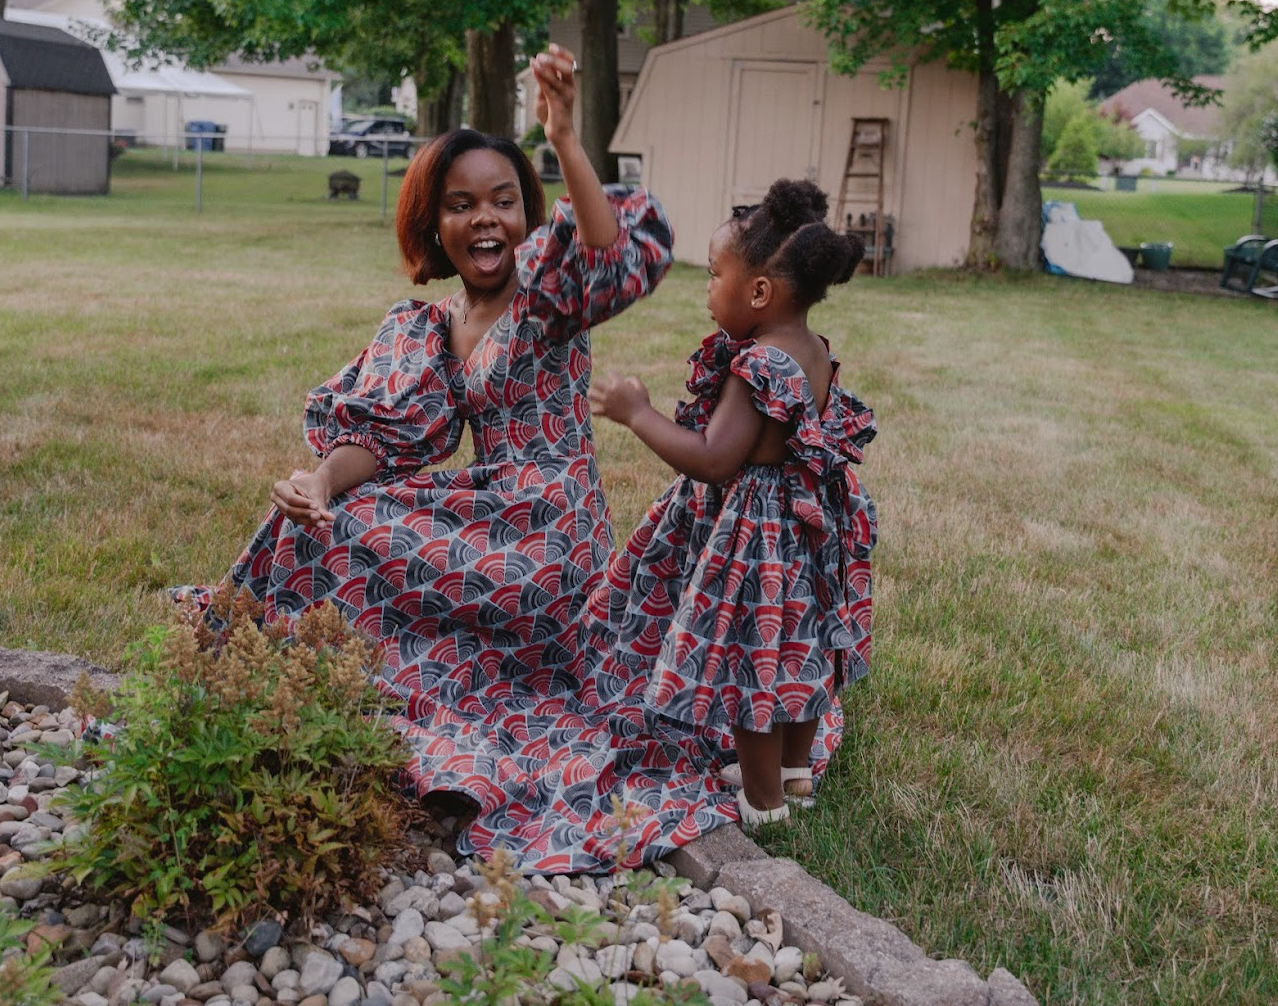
{"type": "Point", "coordinates": [748, 604]}
{"type": "Point", "coordinates": [474, 575]}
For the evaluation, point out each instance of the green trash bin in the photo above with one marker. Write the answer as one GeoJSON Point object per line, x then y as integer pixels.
{"type": "Point", "coordinates": [1156, 255]}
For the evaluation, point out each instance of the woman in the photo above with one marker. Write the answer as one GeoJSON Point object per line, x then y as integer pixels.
{"type": "Point", "coordinates": [472, 579]}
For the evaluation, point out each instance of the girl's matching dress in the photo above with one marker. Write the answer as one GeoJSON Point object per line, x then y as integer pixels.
{"type": "Point", "coordinates": [748, 604]}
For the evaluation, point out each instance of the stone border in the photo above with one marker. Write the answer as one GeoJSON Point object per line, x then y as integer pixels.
{"type": "Point", "coordinates": [46, 679]}
{"type": "Point", "coordinates": [876, 960]}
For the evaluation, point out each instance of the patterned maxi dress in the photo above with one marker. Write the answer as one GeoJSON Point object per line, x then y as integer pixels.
{"type": "Point", "coordinates": [748, 603]}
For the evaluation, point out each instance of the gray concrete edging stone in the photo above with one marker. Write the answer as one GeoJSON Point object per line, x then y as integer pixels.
{"type": "Point", "coordinates": [876, 960]}
{"type": "Point", "coordinates": [46, 679]}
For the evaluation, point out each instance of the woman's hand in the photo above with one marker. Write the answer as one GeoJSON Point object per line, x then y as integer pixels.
{"type": "Point", "coordinates": [556, 91]}
{"type": "Point", "coordinates": [303, 498]}
{"type": "Point", "coordinates": [618, 398]}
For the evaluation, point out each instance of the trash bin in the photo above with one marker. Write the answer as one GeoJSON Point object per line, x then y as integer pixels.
{"type": "Point", "coordinates": [1156, 255]}
{"type": "Point", "coordinates": [200, 142]}
{"type": "Point", "coordinates": [1125, 183]}
{"type": "Point", "coordinates": [219, 141]}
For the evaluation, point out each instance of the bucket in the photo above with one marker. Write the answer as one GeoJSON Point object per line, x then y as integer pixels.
{"type": "Point", "coordinates": [1156, 255]}
{"type": "Point", "coordinates": [1132, 254]}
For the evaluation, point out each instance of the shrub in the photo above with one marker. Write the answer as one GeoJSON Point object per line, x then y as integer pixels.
{"type": "Point", "coordinates": [1076, 152]}
{"type": "Point", "coordinates": [249, 775]}
{"type": "Point", "coordinates": [24, 980]}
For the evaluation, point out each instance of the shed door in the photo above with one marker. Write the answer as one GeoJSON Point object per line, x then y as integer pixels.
{"type": "Point", "coordinates": [774, 126]}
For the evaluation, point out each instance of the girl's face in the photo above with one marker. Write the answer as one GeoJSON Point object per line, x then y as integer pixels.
{"type": "Point", "coordinates": [728, 292]}
{"type": "Point", "coordinates": [481, 218]}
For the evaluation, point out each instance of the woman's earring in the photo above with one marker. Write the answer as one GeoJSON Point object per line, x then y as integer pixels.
{"type": "Point", "coordinates": [437, 238]}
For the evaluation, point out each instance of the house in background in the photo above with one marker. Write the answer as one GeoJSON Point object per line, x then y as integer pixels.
{"type": "Point", "coordinates": [52, 81]}
{"type": "Point", "coordinates": [716, 118]}
{"type": "Point", "coordinates": [1164, 123]}
{"type": "Point", "coordinates": [280, 107]}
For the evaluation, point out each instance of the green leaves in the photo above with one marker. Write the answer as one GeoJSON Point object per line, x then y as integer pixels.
{"type": "Point", "coordinates": [214, 795]}
{"type": "Point", "coordinates": [24, 980]}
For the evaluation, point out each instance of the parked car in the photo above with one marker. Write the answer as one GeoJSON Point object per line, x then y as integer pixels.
{"type": "Point", "coordinates": [364, 136]}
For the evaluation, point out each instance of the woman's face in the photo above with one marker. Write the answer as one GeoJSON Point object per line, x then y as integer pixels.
{"type": "Point", "coordinates": [728, 291]}
{"type": "Point", "coordinates": [481, 218]}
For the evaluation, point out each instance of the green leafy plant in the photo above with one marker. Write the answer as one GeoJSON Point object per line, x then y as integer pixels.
{"type": "Point", "coordinates": [25, 979]}
{"type": "Point", "coordinates": [253, 772]}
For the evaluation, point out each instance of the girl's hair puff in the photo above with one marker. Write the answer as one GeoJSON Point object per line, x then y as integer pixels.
{"type": "Point", "coordinates": [786, 236]}
{"type": "Point", "coordinates": [420, 197]}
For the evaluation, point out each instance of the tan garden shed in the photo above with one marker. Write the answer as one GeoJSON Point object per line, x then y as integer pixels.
{"type": "Point", "coordinates": [719, 116]}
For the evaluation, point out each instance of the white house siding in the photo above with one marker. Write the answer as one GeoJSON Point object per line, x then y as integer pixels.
{"type": "Point", "coordinates": [286, 114]}
{"type": "Point", "coordinates": [711, 134]}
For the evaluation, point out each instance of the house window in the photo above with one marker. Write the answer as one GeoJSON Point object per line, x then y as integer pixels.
{"type": "Point", "coordinates": [133, 99]}
{"type": "Point", "coordinates": [1151, 149]}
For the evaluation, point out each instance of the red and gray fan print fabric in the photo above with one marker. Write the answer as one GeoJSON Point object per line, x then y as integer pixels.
{"type": "Point", "coordinates": [475, 580]}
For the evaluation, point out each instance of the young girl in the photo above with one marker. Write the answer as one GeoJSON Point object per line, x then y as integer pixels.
{"type": "Point", "coordinates": [748, 581]}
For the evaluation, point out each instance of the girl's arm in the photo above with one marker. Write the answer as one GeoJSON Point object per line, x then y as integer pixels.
{"type": "Point", "coordinates": [556, 93]}
{"type": "Point", "coordinates": [713, 456]}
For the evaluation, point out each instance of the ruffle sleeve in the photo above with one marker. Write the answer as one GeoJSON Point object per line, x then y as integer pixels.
{"type": "Point", "coordinates": [394, 399]}
{"type": "Point", "coordinates": [707, 370]}
{"type": "Point", "coordinates": [825, 443]}
{"type": "Point", "coordinates": [569, 287]}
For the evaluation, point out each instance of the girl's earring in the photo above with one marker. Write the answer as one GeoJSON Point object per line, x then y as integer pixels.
{"type": "Point", "coordinates": [437, 238]}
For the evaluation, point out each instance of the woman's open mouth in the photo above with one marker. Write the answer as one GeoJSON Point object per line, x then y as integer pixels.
{"type": "Point", "coordinates": [487, 254]}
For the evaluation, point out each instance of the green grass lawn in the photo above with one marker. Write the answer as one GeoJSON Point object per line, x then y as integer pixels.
{"type": "Point", "coordinates": [1198, 223]}
{"type": "Point", "coordinates": [1063, 761]}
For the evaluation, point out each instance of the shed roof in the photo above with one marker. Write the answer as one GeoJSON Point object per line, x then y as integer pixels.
{"type": "Point", "coordinates": [1154, 94]}
{"type": "Point", "coordinates": [40, 58]}
{"type": "Point", "coordinates": [153, 77]}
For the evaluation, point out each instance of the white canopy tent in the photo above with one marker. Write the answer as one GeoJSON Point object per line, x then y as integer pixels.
{"type": "Point", "coordinates": [149, 105]}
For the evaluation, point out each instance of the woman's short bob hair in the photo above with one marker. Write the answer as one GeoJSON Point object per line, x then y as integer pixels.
{"type": "Point", "coordinates": [417, 218]}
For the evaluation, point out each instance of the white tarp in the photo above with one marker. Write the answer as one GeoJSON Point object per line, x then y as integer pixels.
{"type": "Point", "coordinates": [1075, 247]}
{"type": "Point", "coordinates": [151, 79]}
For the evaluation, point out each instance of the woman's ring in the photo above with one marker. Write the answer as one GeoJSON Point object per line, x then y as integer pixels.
{"type": "Point", "coordinates": [574, 66]}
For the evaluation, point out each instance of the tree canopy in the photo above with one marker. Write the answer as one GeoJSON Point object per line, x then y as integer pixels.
{"type": "Point", "coordinates": [378, 38]}
{"type": "Point", "coordinates": [1019, 49]}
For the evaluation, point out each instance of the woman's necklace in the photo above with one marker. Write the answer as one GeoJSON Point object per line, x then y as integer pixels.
{"type": "Point", "coordinates": [473, 303]}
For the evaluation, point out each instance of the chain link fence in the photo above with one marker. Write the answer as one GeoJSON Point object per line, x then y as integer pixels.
{"type": "Point", "coordinates": [63, 161]}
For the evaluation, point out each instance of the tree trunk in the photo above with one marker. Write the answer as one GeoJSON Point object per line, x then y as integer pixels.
{"type": "Point", "coordinates": [984, 228]}
{"type": "Point", "coordinates": [1259, 211]}
{"type": "Point", "coordinates": [443, 112]}
{"type": "Point", "coordinates": [598, 85]}
{"type": "Point", "coordinates": [490, 75]}
{"type": "Point", "coordinates": [679, 7]}
{"type": "Point", "coordinates": [660, 21]}
{"type": "Point", "coordinates": [1020, 218]}
{"type": "Point", "coordinates": [984, 225]}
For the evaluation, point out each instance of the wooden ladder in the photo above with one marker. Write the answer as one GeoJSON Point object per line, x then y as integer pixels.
{"type": "Point", "coordinates": [862, 188]}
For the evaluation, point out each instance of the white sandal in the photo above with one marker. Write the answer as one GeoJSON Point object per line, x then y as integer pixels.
{"type": "Point", "coordinates": [752, 817]}
{"type": "Point", "coordinates": [801, 775]}
{"type": "Point", "coordinates": [731, 775]}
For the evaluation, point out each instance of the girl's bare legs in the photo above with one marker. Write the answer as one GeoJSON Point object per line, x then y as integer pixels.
{"type": "Point", "coordinates": [760, 759]}
{"type": "Point", "coordinates": [796, 749]}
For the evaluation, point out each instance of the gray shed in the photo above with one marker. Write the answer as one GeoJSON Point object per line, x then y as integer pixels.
{"type": "Point", "coordinates": [52, 81]}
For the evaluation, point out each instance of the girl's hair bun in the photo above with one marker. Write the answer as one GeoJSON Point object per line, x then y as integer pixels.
{"type": "Point", "coordinates": [789, 238]}
{"type": "Point", "coordinates": [791, 203]}
{"type": "Point", "coordinates": [854, 250]}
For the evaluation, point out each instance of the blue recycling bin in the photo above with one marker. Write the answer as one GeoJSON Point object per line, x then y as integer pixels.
{"type": "Point", "coordinates": [202, 142]}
